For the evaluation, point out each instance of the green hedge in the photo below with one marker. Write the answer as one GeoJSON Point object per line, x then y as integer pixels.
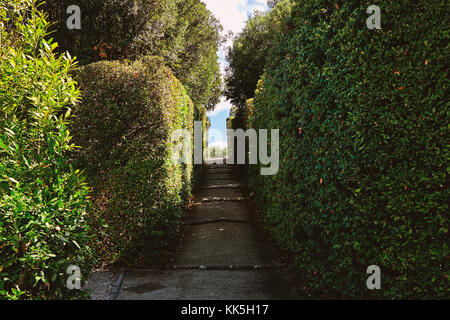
{"type": "Point", "coordinates": [363, 139]}
{"type": "Point", "coordinates": [43, 200]}
{"type": "Point", "coordinates": [124, 126]}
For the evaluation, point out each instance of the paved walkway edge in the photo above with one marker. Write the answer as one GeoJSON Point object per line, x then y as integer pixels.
{"type": "Point", "coordinates": [115, 289]}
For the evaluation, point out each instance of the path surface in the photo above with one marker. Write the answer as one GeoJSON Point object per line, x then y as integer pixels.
{"type": "Point", "coordinates": [223, 254]}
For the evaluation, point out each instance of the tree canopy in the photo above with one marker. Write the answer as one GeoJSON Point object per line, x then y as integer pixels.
{"type": "Point", "coordinates": [183, 32]}
{"type": "Point", "coordinates": [248, 55]}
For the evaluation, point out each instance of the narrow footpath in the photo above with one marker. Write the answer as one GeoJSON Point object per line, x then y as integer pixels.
{"type": "Point", "coordinates": [223, 254]}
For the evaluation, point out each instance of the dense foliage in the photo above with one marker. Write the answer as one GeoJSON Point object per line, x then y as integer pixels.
{"type": "Point", "coordinates": [248, 55]}
{"type": "Point", "coordinates": [122, 133]}
{"type": "Point", "coordinates": [363, 137]}
{"type": "Point", "coordinates": [43, 200]}
{"type": "Point", "coordinates": [183, 32]}
{"type": "Point", "coordinates": [124, 127]}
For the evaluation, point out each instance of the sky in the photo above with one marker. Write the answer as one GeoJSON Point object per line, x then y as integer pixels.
{"type": "Point", "coordinates": [233, 15]}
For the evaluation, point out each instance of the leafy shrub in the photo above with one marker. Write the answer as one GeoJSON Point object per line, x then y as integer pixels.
{"type": "Point", "coordinates": [43, 200]}
{"type": "Point", "coordinates": [124, 126]}
{"type": "Point", "coordinates": [363, 141]}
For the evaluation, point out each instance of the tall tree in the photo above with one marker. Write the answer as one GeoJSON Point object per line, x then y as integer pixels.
{"type": "Point", "coordinates": [248, 55]}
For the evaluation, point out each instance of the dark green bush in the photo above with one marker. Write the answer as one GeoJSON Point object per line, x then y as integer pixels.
{"type": "Point", "coordinates": [124, 126]}
{"type": "Point", "coordinates": [43, 200]}
{"type": "Point", "coordinates": [363, 139]}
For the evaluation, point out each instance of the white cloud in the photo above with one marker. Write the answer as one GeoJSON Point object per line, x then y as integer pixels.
{"type": "Point", "coordinates": [233, 15]}
{"type": "Point", "coordinates": [256, 5]}
{"type": "Point", "coordinates": [222, 105]}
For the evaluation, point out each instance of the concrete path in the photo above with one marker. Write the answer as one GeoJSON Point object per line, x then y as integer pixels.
{"type": "Point", "coordinates": [223, 255]}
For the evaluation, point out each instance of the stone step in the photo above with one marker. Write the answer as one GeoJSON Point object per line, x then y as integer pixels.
{"type": "Point", "coordinates": [221, 184]}
{"type": "Point", "coordinates": [210, 211]}
{"type": "Point", "coordinates": [218, 193]}
{"type": "Point", "coordinates": [217, 171]}
{"type": "Point", "coordinates": [222, 243]}
{"type": "Point", "coordinates": [219, 176]}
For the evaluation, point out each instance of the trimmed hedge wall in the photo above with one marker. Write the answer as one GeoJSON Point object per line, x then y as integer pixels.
{"type": "Point", "coordinates": [124, 126]}
{"type": "Point", "coordinates": [363, 139]}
